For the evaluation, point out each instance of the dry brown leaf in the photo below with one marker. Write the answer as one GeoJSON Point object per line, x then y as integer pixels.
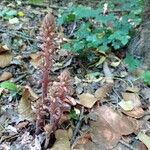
{"type": "Point", "coordinates": [22, 125]}
{"type": "Point", "coordinates": [33, 95]}
{"type": "Point", "coordinates": [36, 59]}
{"type": "Point", "coordinates": [116, 63]}
{"type": "Point", "coordinates": [3, 48]}
{"type": "Point", "coordinates": [5, 59]}
{"type": "Point", "coordinates": [81, 141]}
{"type": "Point", "coordinates": [24, 107]}
{"type": "Point", "coordinates": [126, 105]}
{"type": "Point", "coordinates": [87, 100]}
{"type": "Point", "coordinates": [102, 92]}
{"type": "Point", "coordinates": [5, 76]}
{"type": "Point", "coordinates": [62, 140]}
{"type": "Point", "coordinates": [146, 93]}
{"type": "Point", "coordinates": [108, 74]}
{"type": "Point", "coordinates": [110, 126]}
{"type": "Point", "coordinates": [132, 89]}
{"type": "Point", "coordinates": [1, 91]}
{"type": "Point", "coordinates": [145, 139]}
{"type": "Point", "coordinates": [140, 146]}
{"type": "Point", "coordinates": [137, 112]}
{"type": "Point", "coordinates": [134, 97]}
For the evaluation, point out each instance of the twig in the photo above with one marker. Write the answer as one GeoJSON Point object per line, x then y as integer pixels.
{"type": "Point", "coordinates": [127, 145]}
{"type": "Point", "coordinates": [77, 126]}
{"type": "Point", "coordinates": [118, 96]}
{"type": "Point", "coordinates": [44, 5]}
{"type": "Point", "coordinates": [116, 78]}
{"type": "Point", "coordinates": [19, 34]}
{"type": "Point", "coordinates": [20, 77]}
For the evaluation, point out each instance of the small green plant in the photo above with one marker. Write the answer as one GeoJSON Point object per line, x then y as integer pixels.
{"type": "Point", "coordinates": [95, 31]}
{"type": "Point", "coordinates": [9, 86]}
{"type": "Point", "coordinates": [131, 62]}
{"type": "Point", "coordinates": [73, 115]}
{"type": "Point", "coordinates": [146, 77]}
{"type": "Point", "coordinates": [12, 88]}
{"type": "Point", "coordinates": [8, 13]}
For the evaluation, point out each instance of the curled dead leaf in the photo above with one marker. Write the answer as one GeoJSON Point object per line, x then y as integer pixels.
{"type": "Point", "coordinates": [137, 113]}
{"type": "Point", "coordinates": [25, 107]}
{"type": "Point", "coordinates": [3, 48]}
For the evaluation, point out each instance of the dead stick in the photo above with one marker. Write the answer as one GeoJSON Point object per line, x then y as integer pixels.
{"type": "Point", "coordinates": [127, 145]}
{"type": "Point", "coordinates": [77, 126]}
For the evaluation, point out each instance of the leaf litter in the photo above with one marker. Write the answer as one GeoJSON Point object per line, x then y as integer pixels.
{"type": "Point", "coordinates": [108, 118]}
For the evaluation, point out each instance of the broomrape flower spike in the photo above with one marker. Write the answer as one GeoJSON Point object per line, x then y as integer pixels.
{"type": "Point", "coordinates": [56, 98]}
{"type": "Point", "coordinates": [48, 48]}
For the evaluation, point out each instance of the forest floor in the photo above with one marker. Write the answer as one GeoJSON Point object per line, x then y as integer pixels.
{"type": "Point", "coordinates": [111, 108]}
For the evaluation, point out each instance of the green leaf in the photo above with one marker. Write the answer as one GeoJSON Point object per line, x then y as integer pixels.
{"type": "Point", "coordinates": [132, 63]}
{"type": "Point", "coordinates": [73, 115]}
{"type": "Point", "coordinates": [7, 13]}
{"type": "Point", "coordinates": [67, 46]}
{"type": "Point", "coordinates": [95, 31]}
{"type": "Point", "coordinates": [36, 1]}
{"type": "Point", "coordinates": [146, 77]}
{"type": "Point", "coordinates": [70, 17]}
{"type": "Point", "coordinates": [9, 86]}
{"type": "Point", "coordinates": [11, 13]}
{"type": "Point", "coordinates": [78, 46]}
